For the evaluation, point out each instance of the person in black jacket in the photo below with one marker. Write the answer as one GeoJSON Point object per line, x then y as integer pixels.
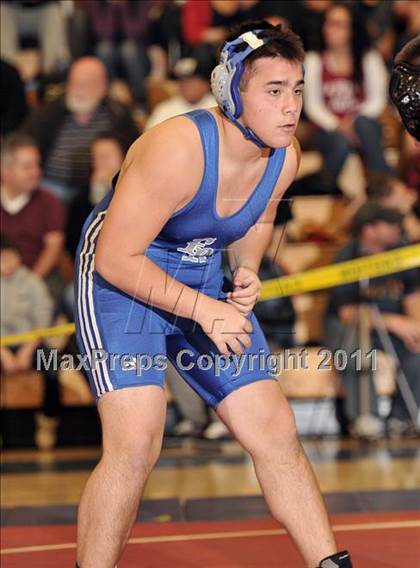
{"type": "Point", "coordinates": [397, 298]}
{"type": "Point", "coordinates": [42, 20]}
{"type": "Point", "coordinates": [65, 128]}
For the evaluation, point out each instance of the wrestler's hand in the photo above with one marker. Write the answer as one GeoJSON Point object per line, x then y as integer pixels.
{"type": "Point", "coordinates": [247, 290]}
{"type": "Point", "coordinates": [226, 327]}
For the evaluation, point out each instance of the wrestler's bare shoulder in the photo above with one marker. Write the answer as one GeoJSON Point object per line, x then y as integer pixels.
{"type": "Point", "coordinates": [166, 164]}
{"type": "Point", "coordinates": [172, 144]}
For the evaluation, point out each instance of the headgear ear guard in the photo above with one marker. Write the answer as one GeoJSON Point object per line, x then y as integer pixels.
{"type": "Point", "coordinates": [226, 77]}
{"type": "Point", "coordinates": [404, 90]}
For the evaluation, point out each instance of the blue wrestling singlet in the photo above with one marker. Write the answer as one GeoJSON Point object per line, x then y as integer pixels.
{"type": "Point", "coordinates": [129, 342]}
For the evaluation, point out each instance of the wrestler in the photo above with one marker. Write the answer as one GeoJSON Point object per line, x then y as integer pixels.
{"type": "Point", "coordinates": [149, 282]}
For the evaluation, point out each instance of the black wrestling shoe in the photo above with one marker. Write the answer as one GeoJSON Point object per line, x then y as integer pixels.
{"type": "Point", "coordinates": [339, 560]}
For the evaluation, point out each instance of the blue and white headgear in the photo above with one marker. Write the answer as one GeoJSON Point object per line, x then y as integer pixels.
{"type": "Point", "coordinates": [226, 77]}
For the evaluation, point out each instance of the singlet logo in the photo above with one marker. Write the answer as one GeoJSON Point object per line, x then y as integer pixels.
{"type": "Point", "coordinates": [197, 250]}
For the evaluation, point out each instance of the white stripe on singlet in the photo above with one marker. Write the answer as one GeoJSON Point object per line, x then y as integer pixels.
{"type": "Point", "coordinates": [86, 291]}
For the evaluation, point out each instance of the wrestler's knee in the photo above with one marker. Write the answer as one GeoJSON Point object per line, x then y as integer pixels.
{"type": "Point", "coordinates": [275, 431]}
{"type": "Point", "coordinates": [132, 428]}
{"type": "Point", "coordinates": [136, 454]}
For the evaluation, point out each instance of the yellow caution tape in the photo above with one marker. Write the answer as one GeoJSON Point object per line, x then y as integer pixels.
{"type": "Point", "coordinates": [371, 266]}
{"type": "Point", "coordinates": [65, 329]}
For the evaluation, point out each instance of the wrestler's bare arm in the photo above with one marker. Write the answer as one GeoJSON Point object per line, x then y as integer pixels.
{"type": "Point", "coordinates": [249, 251]}
{"type": "Point", "coordinates": [161, 172]}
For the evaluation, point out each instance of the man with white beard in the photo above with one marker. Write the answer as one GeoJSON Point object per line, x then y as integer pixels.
{"type": "Point", "coordinates": [65, 128]}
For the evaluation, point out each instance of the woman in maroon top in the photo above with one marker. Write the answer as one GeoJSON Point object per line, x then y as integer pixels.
{"type": "Point", "coordinates": [347, 94]}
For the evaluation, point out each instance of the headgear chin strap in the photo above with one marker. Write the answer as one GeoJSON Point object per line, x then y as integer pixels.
{"type": "Point", "coordinates": [404, 90]}
{"type": "Point", "coordinates": [226, 77]}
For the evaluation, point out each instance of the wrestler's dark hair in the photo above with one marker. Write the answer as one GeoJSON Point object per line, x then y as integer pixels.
{"type": "Point", "coordinates": [410, 53]}
{"type": "Point", "coordinates": [283, 43]}
{"type": "Point", "coordinates": [360, 41]}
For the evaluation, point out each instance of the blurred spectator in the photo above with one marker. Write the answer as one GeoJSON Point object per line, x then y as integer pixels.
{"type": "Point", "coordinates": [194, 91]}
{"type": "Point", "coordinates": [276, 316]}
{"type": "Point", "coordinates": [165, 36]}
{"type": "Point", "coordinates": [121, 29]}
{"type": "Point", "coordinates": [393, 193]}
{"type": "Point", "coordinates": [308, 22]}
{"type": "Point", "coordinates": [26, 305]}
{"type": "Point", "coordinates": [206, 22]}
{"type": "Point", "coordinates": [407, 11]}
{"type": "Point", "coordinates": [43, 19]}
{"type": "Point", "coordinates": [397, 296]}
{"type": "Point", "coordinates": [254, 9]}
{"type": "Point", "coordinates": [33, 218]}
{"type": "Point", "coordinates": [377, 15]}
{"type": "Point", "coordinates": [286, 12]}
{"type": "Point", "coordinates": [80, 32]}
{"type": "Point", "coordinates": [13, 106]}
{"type": "Point", "coordinates": [346, 93]}
{"type": "Point", "coordinates": [65, 128]}
{"type": "Point", "coordinates": [106, 155]}
{"type": "Point", "coordinates": [119, 91]}
{"type": "Point", "coordinates": [379, 24]}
